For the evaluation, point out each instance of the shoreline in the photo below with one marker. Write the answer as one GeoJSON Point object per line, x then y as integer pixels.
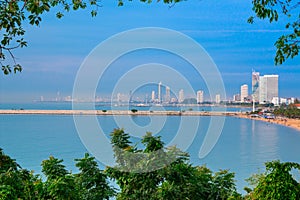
{"type": "Point", "coordinates": [287, 122]}
{"type": "Point", "coordinates": [116, 112]}
{"type": "Point", "coordinates": [292, 123]}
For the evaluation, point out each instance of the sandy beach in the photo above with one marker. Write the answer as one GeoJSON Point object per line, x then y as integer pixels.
{"type": "Point", "coordinates": [293, 123]}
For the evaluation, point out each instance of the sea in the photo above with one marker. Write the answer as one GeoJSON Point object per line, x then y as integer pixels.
{"type": "Point", "coordinates": [242, 147]}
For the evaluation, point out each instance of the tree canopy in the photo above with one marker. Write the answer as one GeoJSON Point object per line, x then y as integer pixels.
{"type": "Point", "coordinates": [276, 183]}
{"type": "Point", "coordinates": [15, 14]}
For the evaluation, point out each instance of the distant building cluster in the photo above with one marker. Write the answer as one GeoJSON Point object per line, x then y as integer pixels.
{"type": "Point", "coordinates": [265, 88]}
{"type": "Point", "coordinates": [264, 91]}
{"type": "Point", "coordinates": [165, 97]}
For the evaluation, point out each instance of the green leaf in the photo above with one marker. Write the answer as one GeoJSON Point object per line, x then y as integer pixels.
{"type": "Point", "coordinates": [93, 13]}
{"type": "Point", "coordinates": [18, 68]}
{"type": "Point", "coordinates": [6, 69]}
{"type": "Point", "coordinates": [120, 3]}
{"type": "Point", "coordinates": [59, 15]}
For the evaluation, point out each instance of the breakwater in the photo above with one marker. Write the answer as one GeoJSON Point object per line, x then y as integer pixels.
{"type": "Point", "coordinates": [117, 112]}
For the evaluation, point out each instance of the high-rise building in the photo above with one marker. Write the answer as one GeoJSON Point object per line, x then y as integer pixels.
{"type": "Point", "coordinates": [118, 97]}
{"type": "Point", "coordinates": [130, 96]}
{"type": "Point", "coordinates": [200, 96]}
{"type": "Point", "coordinates": [262, 90]}
{"type": "Point", "coordinates": [237, 98]}
{"type": "Point", "coordinates": [153, 96]}
{"type": "Point", "coordinates": [218, 98]}
{"type": "Point", "coordinates": [168, 94]}
{"type": "Point", "coordinates": [181, 96]}
{"type": "Point", "coordinates": [244, 92]}
{"type": "Point", "coordinates": [255, 86]}
{"type": "Point", "coordinates": [159, 92]}
{"type": "Point", "coordinates": [268, 88]}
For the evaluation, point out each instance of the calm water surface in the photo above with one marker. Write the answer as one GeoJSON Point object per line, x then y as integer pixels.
{"type": "Point", "coordinates": [243, 146]}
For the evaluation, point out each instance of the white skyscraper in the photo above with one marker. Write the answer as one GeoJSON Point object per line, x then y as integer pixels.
{"type": "Point", "coordinates": [268, 88]}
{"type": "Point", "coordinates": [244, 92]}
{"type": "Point", "coordinates": [159, 92]}
{"type": "Point", "coordinates": [218, 98]}
{"type": "Point", "coordinates": [262, 90]}
{"type": "Point", "coordinates": [200, 96]}
{"type": "Point", "coordinates": [168, 94]}
{"type": "Point", "coordinates": [181, 96]}
{"type": "Point", "coordinates": [255, 86]}
{"type": "Point", "coordinates": [153, 96]}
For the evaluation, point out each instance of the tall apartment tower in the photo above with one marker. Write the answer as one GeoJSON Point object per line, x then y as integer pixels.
{"type": "Point", "coordinates": [255, 86]}
{"type": "Point", "coordinates": [168, 94]}
{"type": "Point", "coordinates": [200, 98]}
{"type": "Point", "coordinates": [181, 96]}
{"type": "Point", "coordinates": [244, 92]}
{"type": "Point", "coordinates": [118, 97]}
{"type": "Point", "coordinates": [159, 92]}
{"type": "Point", "coordinates": [153, 96]}
{"type": "Point", "coordinates": [218, 98]}
{"type": "Point", "coordinates": [268, 88]}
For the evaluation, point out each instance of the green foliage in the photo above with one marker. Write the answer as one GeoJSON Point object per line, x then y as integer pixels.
{"type": "Point", "coordinates": [287, 45]}
{"type": "Point", "coordinates": [134, 110]}
{"type": "Point", "coordinates": [183, 181]}
{"type": "Point", "coordinates": [223, 185]}
{"type": "Point", "coordinates": [278, 183]}
{"type": "Point", "coordinates": [138, 172]}
{"type": "Point", "coordinates": [152, 143]}
{"type": "Point", "coordinates": [6, 163]}
{"type": "Point", "coordinates": [53, 168]}
{"type": "Point", "coordinates": [16, 183]}
{"type": "Point", "coordinates": [120, 142]}
{"type": "Point", "coordinates": [91, 180]}
{"type": "Point", "coordinates": [162, 173]}
{"type": "Point", "coordinates": [291, 111]}
{"type": "Point", "coordinates": [59, 184]}
{"type": "Point", "coordinates": [90, 183]}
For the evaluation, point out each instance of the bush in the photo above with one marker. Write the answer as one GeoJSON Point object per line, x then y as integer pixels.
{"type": "Point", "coordinates": [134, 110]}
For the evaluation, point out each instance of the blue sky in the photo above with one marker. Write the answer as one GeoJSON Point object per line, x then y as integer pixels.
{"type": "Point", "coordinates": [58, 47]}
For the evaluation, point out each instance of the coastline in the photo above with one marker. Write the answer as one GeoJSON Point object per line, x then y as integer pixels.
{"type": "Point", "coordinates": [293, 123]}
{"type": "Point", "coordinates": [115, 112]}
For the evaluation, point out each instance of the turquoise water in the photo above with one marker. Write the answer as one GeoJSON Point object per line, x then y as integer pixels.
{"type": "Point", "coordinates": [243, 146]}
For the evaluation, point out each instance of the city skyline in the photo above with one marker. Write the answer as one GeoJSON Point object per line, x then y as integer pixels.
{"type": "Point", "coordinates": [264, 90]}
{"type": "Point", "coordinates": [57, 48]}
